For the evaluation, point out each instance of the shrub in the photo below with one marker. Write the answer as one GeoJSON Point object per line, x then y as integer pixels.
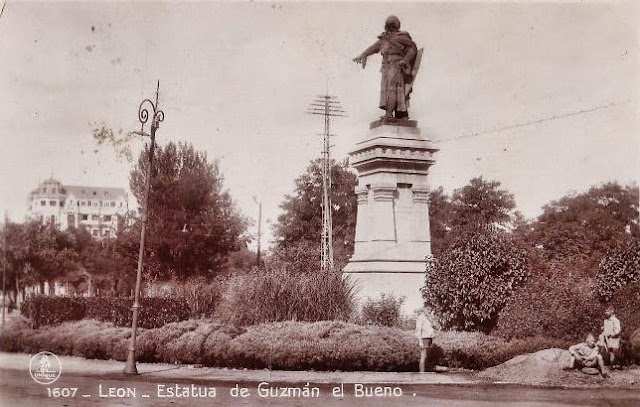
{"type": "Point", "coordinates": [202, 295]}
{"type": "Point", "coordinates": [383, 311]}
{"type": "Point", "coordinates": [45, 310]}
{"type": "Point", "coordinates": [325, 345]}
{"type": "Point", "coordinates": [164, 341]}
{"type": "Point", "coordinates": [625, 302]}
{"type": "Point", "coordinates": [620, 267]}
{"type": "Point", "coordinates": [559, 304]}
{"type": "Point", "coordinates": [154, 312]}
{"type": "Point", "coordinates": [471, 280]}
{"type": "Point", "coordinates": [158, 311]}
{"type": "Point", "coordinates": [476, 350]}
{"type": "Point", "coordinates": [280, 295]}
{"type": "Point", "coordinates": [217, 349]}
{"type": "Point", "coordinates": [109, 309]}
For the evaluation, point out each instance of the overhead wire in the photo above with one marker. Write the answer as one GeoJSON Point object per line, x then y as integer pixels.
{"type": "Point", "coordinates": [533, 122]}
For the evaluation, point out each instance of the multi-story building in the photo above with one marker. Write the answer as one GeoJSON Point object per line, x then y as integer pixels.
{"type": "Point", "coordinates": [99, 210]}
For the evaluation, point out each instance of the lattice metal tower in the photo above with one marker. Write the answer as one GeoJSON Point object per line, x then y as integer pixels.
{"type": "Point", "coordinates": [328, 107]}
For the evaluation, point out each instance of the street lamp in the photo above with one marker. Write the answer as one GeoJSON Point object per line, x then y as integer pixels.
{"type": "Point", "coordinates": [259, 229]}
{"type": "Point", "coordinates": [156, 117]}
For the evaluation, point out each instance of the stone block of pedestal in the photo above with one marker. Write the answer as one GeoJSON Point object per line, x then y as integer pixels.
{"type": "Point", "coordinates": [392, 227]}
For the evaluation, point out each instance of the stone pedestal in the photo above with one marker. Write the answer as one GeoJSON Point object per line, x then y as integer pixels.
{"type": "Point", "coordinates": [392, 228]}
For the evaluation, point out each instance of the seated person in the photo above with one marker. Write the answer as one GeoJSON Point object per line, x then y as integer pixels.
{"type": "Point", "coordinates": [586, 354]}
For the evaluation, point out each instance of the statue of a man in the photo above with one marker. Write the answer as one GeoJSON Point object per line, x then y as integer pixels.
{"type": "Point", "coordinates": [398, 58]}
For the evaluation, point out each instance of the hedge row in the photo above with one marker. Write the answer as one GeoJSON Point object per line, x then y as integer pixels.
{"type": "Point", "coordinates": [327, 345]}
{"type": "Point", "coordinates": [566, 308]}
{"type": "Point", "coordinates": [153, 313]}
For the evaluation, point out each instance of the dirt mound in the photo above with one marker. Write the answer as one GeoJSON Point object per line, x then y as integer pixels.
{"type": "Point", "coordinates": [540, 368]}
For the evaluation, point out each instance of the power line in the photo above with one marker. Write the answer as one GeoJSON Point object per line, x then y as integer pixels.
{"type": "Point", "coordinates": [533, 122]}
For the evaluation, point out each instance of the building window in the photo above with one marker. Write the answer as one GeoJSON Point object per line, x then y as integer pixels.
{"type": "Point", "coordinates": [95, 204]}
{"type": "Point", "coordinates": [43, 203]}
{"type": "Point", "coordinates": [95, 217]}
{"type": "Point", "coordinates": [52, 203]}
{"type": "Point", "coordinates": [84, 217]}
{"type": "Point", "coordinates": [95, 232]}
{"type": "Point", "coordinates": [107, 218]}
{"type": "Point", "coordinates": [53, 219]}
{"type": "Point", "coordinates": [61, 203]}
{"type": "Point", "coordinates": [113, 204]}
{"type": "Point", "coordinates": [107, 233]}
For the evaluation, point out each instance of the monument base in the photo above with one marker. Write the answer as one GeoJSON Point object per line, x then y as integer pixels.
{"type": "Point", "coordinates": [392, 235]}
{"type": "Point", "coordinates": [373, 278]}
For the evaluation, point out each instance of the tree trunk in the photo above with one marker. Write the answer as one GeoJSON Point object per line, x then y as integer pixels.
{"type": "Point", "coordinates": [18, 299]}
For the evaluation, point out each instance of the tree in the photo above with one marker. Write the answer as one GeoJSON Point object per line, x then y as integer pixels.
{"type": "Point", "coordinates": [193, 223]}
{"type": "Point", "coordinates": [37, 253]}
{"type": "Point", "coordinates": [440, 214]}
{"type": "Point", "coordinates": [102, 265]}
{"type": "Point", "coordinates": [301, 220]}
{"type": "Point", "coordinates": [586, 226]}
{"type": "Point", "coordinates": [482, 202]}
{"type": "Point", "coordinates": [469, 283]}
{"type": "Point", "coordinates": [478, 203]}
{"type": "Point", "coordinates": [571, 237]}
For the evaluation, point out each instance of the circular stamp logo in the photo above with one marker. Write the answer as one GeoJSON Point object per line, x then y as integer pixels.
{"type": "Point", "coordinates": [45, 367]}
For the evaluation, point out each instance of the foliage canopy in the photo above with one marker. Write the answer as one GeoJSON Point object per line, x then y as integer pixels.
{"type": "Point", "coordinates": [471, 280]}
{"type": "Point", "coordinates": [193, 222]}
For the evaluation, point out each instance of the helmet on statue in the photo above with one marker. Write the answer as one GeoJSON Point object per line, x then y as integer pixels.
{"type": "Point", "coordinates": [392, 23]}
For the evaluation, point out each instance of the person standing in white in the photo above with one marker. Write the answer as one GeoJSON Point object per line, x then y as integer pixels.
{"type": "Point", "coordinates": [425, 333]}
{"type": "Point", "coordinates": [610, 336]}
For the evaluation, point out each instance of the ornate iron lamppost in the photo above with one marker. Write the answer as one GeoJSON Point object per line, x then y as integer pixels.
{"type": "Point", "coordinates": [157, 116]}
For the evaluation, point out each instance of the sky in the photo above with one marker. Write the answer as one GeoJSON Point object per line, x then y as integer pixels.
{"type": "Point", "coordinates": [540, 96]}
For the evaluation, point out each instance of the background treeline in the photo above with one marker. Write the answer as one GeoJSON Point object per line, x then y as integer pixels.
{"type": "Point", "coordinates": [492, 270]}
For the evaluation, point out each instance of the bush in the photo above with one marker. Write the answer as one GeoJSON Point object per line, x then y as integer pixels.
{"type": "Point", "coordinates": [45, 310]}
{"type": "Point", "coordinates": [563, 306]}
{"type": "Point", "coordinates": [559, 304]}
{"type": "Point", "coordinates": [384, 311]}
{"type": "Point", "coordinates": [109, 309]}
{"type": "Point", "coordinates": [154, 312]}
{"type": "Point", "coordinates": [476, 350]}
{"type": "Point", "coordinates": [625, 303]}
{"type": "Point", "coordinates": [471, 280]}
{"type": "Point", "coordinates": [280, 295]}
{"type": "Point", "coordinates": [201, 294]}
{"type": "Point", "coordinates": [620, 267]}
{"type": "Point", "coordinates": [326, 345]}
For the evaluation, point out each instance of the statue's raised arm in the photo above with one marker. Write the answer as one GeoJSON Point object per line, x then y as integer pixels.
{"type": "Point", "coordinates": [399, 57]}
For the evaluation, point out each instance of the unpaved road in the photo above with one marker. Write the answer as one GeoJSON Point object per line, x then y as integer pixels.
{"type": "Point", "coordinates": [18, 389]}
